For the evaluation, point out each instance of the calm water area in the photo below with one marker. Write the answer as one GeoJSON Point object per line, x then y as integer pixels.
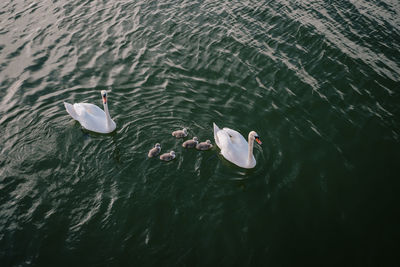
{"type": "Point", "coordinates": [319, 81]}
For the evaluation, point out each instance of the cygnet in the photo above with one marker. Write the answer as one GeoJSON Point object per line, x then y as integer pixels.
{"type": "Point", "coordinates": [154, 151]}
{"type": "Point", "coordinates": [204, 145]}
{"type": "Point", "coordinates": [168, 156]}
{"type": "Point", "coordinates": [180, 133]}
{"type": "Point", "coordinates": [190, 143]}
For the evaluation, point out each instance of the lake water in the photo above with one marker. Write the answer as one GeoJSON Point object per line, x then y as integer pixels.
{"type": "Point", "coordinates": [319, 82]}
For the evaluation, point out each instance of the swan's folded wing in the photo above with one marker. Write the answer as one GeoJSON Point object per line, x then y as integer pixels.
{"type": "Point", "coordinates": [71, 111]}
{"type": "Point", "coordinates": [224, 139]}
{"type": "Point", "coordinates": [91, 116]}
{"type": "Point", "coordinates": [230, 151]}
{"type": "Point", "coordinates": [235, 136]}
{"type": "Point", "coordinates": [90, 109]}
{"type": "Point", "coordinates": [216, 130]}
{"type": "Point", "coordinates": [79, 109]}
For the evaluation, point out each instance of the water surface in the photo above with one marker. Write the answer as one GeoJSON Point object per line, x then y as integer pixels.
{"type": "Point", "coordinates": [319, 82]}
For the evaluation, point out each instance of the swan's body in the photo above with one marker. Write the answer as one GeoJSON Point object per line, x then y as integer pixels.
{"type": "Point", "coordinates": [91, 117]}
{"type": "Point", "coordinates": [190, 143]}
{"type": "Point", "coordinates": [168, 156]}
{"type": "Point", "coordinates": [235, 148]}
{"type": "Point", "coordinates": [180, 133]}
{"type": "Point", "coordinates": [204, 145]}
{"type": "Point", "coordinates": [154, 151]}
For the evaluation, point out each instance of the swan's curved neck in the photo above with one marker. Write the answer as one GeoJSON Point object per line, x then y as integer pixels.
{"type": "Point", "coordinates": [108, 117]}
{"type": "Point", "coordinates": [251, 146]}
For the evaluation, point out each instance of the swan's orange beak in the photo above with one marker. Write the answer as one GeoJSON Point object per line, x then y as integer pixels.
{"type": "Point", "coordinates": [104, 99]}
{"type": "Point", "coordinates": [258, 140]}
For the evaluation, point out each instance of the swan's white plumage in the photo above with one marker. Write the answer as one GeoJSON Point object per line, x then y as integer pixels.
{"type": "Point", "coordinates": [234, 147]}
{"type": "Point", "coordinates": [91, 117]}
{"type": "Point", "coordinates": [71, 111]}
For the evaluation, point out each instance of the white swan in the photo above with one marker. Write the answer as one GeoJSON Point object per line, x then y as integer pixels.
{"type": "Point", "coordinates": [235, 148]}
{"type": "Point", "coordinates": [91, 117]}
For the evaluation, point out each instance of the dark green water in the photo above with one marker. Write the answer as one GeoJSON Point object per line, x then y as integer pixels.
{"type": "Point", "coordinates": [319, 82]}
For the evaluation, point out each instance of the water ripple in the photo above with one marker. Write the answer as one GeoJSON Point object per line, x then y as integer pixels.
{"type": "Point", "coordinates": [318, 82]}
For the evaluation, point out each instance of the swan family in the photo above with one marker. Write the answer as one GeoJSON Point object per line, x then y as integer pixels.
{"type": "Point", "coordinates": [232, 144]}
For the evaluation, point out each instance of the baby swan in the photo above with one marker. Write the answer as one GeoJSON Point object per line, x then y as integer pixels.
{"type": "Point", "coordinates": [190, 143]}
{"type": "Point", "coordinates": [204, 145]}
{"type": "Point", "coordinates": [180, 133]}
{"type": "Point", "coordinates": [154, 151]}
{"type": "Point", "coordinates": [168, 156]}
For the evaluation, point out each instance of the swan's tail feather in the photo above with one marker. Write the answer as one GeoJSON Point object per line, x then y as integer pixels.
{"type": "Point", "coordinates": [216, 129]}
{"type": "Point", "coordinates": [71, 111]}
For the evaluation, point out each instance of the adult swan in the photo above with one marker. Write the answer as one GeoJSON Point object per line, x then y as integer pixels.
{"type": "Point", "coordinates": [91, 117]}
{"type": "Point", "coordinates": [235, 148]}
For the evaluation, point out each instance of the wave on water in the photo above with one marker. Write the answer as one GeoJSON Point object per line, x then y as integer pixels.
{"type": "Point", "coordinates": [318, 81]}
